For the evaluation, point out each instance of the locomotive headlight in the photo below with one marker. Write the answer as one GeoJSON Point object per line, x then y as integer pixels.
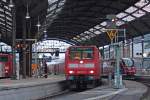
{"type": "Point", "coordinates": [71, 72]}
{"type": "Point", "coordinates": [91, 71]}
{"type": "Point", "coordinates": [6, 71]}
{"type": "Point", "coordinates": [81, 62]}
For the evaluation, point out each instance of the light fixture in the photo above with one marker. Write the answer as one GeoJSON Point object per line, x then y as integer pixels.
{"type": "Point", "coordinates": [38, 24]}
{"type": "Point", "coordinates": [27, 14]}
{"type": "Point", "coordinates": [45, 31]}
{"type": "Point", "coordinates": [11, 4]}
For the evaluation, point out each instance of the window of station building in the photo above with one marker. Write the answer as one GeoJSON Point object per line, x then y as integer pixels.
{"type": "Point", "coordinates": [50, 45]}
{"type": "Point", "coordinates": [146, 45]}
{"type": "Point", "coordinates": [137, 46]}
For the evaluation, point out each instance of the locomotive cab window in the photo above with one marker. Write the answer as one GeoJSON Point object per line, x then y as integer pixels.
{"type": "Point", "coordinates": [128, 62]}
{"type": "Point", "coordinates": [81, 53]}
{"type": "Point", "coordinates": [3, 59]}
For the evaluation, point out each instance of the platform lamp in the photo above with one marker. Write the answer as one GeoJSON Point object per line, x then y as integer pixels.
{"type": "Point", "coordinates": [27, 13]}
{"type": "Point", "coordinates": [11, 4]}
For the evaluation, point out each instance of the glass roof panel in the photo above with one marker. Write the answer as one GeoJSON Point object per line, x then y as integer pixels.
{"type": "Point", "coordinates": [51, 1]}
{"type": "Point", "coordinates": [78, 36]}
{"type": "Point", "coordinates": [141, 3]}
{"type": "Point", "coordinates": [97, 27]}
{"type": "Point", "coordinates": [103, 29]}
{"type": "Point", "coordinates": [92, 35]}
{"type": "Point", "coordinates": [83, 38]}
{"type": "Point", "coordinates": [147, 8]}
{"type": "Point", "coordinates": [82, 34]}
{"type": "Point", "coordinates": [103, 23]}
{"type": "Point", "coordinates": [51, 8]}
{"type": "Point", "coordinates": [128, 18]}
{"type": "Point", "coordinates": [97, 32]}
{"type": "Point", "coordinates": [1, 9]}
{"type": "Point", "coordinates": [120, 15]}
{"type": "Point", "coordinates": [79, 40]}
{"type": "Point", "coordinates": [119, 22]}
{"type": "Point", "coordinates": [4, 0]}
{"type": "Point", "coordinates": [139, 13]}
{"type": "Point", "coordinates": [74, 38]}
{"type": "Point", "coordinates": [87, 36]}
{"type": "Point", "coordinates": [91, 29]}
{"type": "Point", "coordinates": [131, 9]}
{"type": "Point", "coordinates": [87, 32]}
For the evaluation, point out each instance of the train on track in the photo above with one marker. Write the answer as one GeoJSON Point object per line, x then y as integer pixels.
{"type": "Point", "coordinates": [6, 69]}
{"type": "Point", "coordinates": [82, 66]}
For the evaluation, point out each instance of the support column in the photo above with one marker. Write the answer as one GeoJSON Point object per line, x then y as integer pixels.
{"type": "Point", "coordinates": [123, 52]}
{"type": "Point", "coordinates": [24, 48]}
{"type": "Point", "coordinates": [14, 42]}
{"type": "Point", "coordinates": [29, 60]}
{"type": "Point", "coordinates": [109, 51]}
{"type": "Point", "coordinates": [118, 77]}
{"type": "Point", "coordinates": [142, 51]}
{"type": "Point", "coordinates": [132, 48]}
{"type": "Point", "coordinates": [103, 53]}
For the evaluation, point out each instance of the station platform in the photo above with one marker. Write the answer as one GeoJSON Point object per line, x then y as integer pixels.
{"type": "Point", "coordinates": [31, 88]}
{"type": "Point", "coordinates": [10, 83]}
{"type": "Point", "coordinates": [36, 88]}
{"type": "Point", "coordinates": [132, 91]}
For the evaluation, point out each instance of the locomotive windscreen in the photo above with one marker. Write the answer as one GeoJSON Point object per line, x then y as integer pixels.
{"type": "Point", "coordinates": [3, 59]}
{"type": "Point", "coordinates": [81, 53]}
{"type": "Point", "coordinates": [128, 62]}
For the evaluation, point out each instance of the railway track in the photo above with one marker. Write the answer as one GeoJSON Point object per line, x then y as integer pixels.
{"type": "Point", "coordinates": [66, 93]}
{"type": "Point", "coordinates": [145, 81]}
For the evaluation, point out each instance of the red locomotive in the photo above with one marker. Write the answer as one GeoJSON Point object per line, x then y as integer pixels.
{"type": "Point", "coordinates": [5, 65]}
{"type": "Point", "coordinates": [127, 67]}
{"type": "Point", "coordinates": [82, 66]}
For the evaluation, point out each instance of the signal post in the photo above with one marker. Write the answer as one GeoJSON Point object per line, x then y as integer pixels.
{"type": "Point", "coordinates": [113, 34]}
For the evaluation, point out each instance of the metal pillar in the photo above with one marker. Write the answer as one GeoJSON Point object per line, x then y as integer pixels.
{"type": "Point", "coordinates": [30, 59]}
{"type": "Point", "coordinates": [142, 51]}
{"type": "Point", "coordinates": [103, 52]}
{"type": "Point", "coordinates": [123, 47]}
{"type": "Point", "coordinates": [24, 48]}
{"type": "Point", "coordinates": [118, 77]}
{"type": "Point", "coordinates": [132, 48]}
{"type": "Point", "coordinates": [109, 51]}
{"type": "Point", "coordinates": [14, 42]}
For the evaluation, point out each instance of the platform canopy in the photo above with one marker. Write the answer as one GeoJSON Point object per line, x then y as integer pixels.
{"type": "Point", "coordinates": [82, 20]}
{"type": "Point", "coordinates": [85, 20]}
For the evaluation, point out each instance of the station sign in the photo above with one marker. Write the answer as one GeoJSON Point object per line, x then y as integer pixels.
{"type": "Point", "coordinates": [112, 34]}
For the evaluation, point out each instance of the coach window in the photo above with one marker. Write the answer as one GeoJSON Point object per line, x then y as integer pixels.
{"type": "Point", "coordinates": [3, 59]}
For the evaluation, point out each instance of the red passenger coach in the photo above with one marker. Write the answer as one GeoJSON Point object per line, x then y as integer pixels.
{"type": "Point", "coordinates": [5, 65]}
{"type": "Point", "coordinates": [82, 65]}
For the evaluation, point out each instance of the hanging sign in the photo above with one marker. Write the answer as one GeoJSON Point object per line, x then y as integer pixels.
{"type": "Point", "coordinates": [112, 34]}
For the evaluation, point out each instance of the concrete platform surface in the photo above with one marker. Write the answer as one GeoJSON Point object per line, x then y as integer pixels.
{"type": "Point", "coordinates": [132, 91]}
{"type": "Point", "coordinates": [9, 83]}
